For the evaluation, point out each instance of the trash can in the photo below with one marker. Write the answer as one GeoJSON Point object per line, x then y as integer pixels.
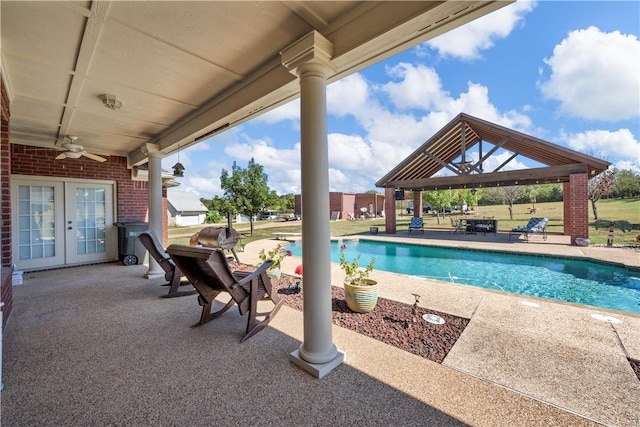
{"type": "Point", "coordinates": [130, 249]}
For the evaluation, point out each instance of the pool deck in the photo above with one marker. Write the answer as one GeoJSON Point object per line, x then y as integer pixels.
{"type": "Point", "coordinates": [556, 353]}
{"type": "Point", "coordinates": [94, 345]}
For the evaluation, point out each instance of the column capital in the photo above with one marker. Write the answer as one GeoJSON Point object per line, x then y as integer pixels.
{"type": "Point", "coordinates": [148, 148]}
{"type": "Point", "coordinates": [312, 48]}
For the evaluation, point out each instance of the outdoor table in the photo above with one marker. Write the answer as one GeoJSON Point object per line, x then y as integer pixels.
{"type": "Point", "coordinates": [473, 223]}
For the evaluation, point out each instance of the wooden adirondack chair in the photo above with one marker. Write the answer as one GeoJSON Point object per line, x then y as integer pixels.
{"type": "Point", "coordinates": [209, 271]}
{"type": "Point", "coordinates": [150, 241]}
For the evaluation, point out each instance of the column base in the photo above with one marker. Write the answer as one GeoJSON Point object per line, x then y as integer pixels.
{"type": "Point", "coordinates": [318, 370]}
{"type": "Point", "coordinates": [154, 274]}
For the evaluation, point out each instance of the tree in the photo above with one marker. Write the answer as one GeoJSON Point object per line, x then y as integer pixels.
{"type": "Point", "coordinates": [246, 190]}
{"type": "Point", "coordinates": [288, 202]}
{"type": "Point", "coordinates": [627, 184]}
{"type": "Point", "coordinates": [438, 200]}
{"type": "Point", "coordinates": [216, 206]}
{"type": "Point", "coordinates": [601, 185]}
{"type": "Point", "coordinates": [510, 195]}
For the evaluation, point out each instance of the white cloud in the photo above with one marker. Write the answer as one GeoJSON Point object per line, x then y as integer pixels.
{"type": "Point", "coordinates": [606, 144]}
{"type": "Point", "coordinates": [627, 165]}
{"type": "Point", "coordinates": [468, 41]}
{"type": "Point", "coordinates": [348, 95]}
{"type": "Point", "coordinates": [420, 87]}
{"type": "Point", "coordinates": [594, 75]}
{"type": "Point", "coordinates": [491, 163]}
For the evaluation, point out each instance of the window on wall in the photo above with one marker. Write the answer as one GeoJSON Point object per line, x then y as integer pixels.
{"type": "Point", "coordinates": [36, 221]}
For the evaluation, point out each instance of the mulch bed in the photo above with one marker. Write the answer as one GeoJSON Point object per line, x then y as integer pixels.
{"type": "Point", "coordinates": [389, 322]}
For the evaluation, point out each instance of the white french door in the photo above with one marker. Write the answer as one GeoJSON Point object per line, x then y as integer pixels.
{"type": "Point", "coordinates": [62, 222]}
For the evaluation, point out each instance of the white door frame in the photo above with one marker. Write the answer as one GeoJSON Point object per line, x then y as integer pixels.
{"type": "Point", "coordinates": [63, 215]}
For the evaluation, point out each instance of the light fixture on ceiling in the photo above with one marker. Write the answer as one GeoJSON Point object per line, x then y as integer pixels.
{"type": "Point", "coordinates": [112, 101]}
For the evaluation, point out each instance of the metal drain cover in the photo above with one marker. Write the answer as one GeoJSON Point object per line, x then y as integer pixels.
{"type": "Point", "coordinates": [432, 318]}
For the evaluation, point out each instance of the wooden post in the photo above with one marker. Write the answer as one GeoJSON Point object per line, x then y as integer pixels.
{"type": "Point", "coordinates": [610, 238]}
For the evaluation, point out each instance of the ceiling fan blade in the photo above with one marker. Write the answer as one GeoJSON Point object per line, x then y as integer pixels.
{"type": "Point", "coordinates": [61, 156]}
{"type": "Point", "coordinates": [93, 156]}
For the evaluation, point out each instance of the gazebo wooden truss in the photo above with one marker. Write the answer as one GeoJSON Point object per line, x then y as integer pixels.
{"type": "Point", "coordinates": [449, 150]}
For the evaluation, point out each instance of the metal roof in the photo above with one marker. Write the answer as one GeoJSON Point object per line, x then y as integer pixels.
{"type": "Point", "coordinates": [448, 150]}
{"type": "Point", "coordinates": [183, 201]}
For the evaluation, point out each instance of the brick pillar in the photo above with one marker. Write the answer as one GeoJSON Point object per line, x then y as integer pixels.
{"type": "Point", "coordinates": [6, 290]}
{"type": "Point", "coordinates": [566, 214]}
{"type": "Point", "coordinates": [417, 203]}
{"type": "Point", "coordinates": [390, 211]}
{"type": "Point", "coordinates": [578, 207]}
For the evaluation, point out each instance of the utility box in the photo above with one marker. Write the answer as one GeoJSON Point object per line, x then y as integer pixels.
{"type": "Point", "coordinates": [130, 249]}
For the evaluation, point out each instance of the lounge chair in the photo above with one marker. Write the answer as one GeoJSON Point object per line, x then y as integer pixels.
{"type": "Point", "coordinates": [173, 275]}
{"type": "Point", "coordinates": [209, 271]}
{"type": "Point", "coordinates": [416, 224]}
{"type": "Point", "coordinates": [535, 225]}
{"type": "Point", "coordinates": [457, 224]}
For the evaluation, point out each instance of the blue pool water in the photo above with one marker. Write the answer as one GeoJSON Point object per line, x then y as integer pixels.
{"type": "Point", "coordinates": [580, 282]}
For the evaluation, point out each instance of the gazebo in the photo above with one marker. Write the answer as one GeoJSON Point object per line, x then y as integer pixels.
{"type": "Point", "coordinates": [448, 150]}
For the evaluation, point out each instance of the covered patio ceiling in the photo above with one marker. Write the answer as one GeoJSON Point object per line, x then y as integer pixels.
{"type": "Point", "coordinates": [449, 150]}
{"type": "Point", "coordinates": [184, 71]}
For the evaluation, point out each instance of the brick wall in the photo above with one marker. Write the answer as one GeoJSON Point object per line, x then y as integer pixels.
{"type": "Point", "coordinates": [6, 290]}
{"type": "Point", "coordinates": [578, 207]}
{"type": "Point", "coordinates": [335, 202]}
{"type": "Point", "coordinates": [132, 196]}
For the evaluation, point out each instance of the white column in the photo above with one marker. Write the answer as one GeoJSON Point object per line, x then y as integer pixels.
{"type": "Point", "coordinates": [318, 354]}
{"type": "Point", "coordinates": [155, 208]}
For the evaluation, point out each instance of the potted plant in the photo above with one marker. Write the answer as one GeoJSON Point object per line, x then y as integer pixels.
{"type": "Point", "coordinates": [361, 293]}
{"type": "Point", "coordinates": [276, 255]}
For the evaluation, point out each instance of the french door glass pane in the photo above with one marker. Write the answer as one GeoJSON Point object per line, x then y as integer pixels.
{"type": "Point", "coordinates": [36, 221]}
{"type": "Point", "coordinates": [90, 220]}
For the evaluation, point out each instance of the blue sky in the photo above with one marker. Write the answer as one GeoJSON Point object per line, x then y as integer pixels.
{"type": "Point", "coordinates": [567, 72]}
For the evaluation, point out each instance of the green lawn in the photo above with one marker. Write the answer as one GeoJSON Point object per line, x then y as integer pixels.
{"type": "Point", "coordinates": [610, 210]}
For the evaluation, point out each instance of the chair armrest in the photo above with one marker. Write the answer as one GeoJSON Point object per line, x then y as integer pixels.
{"type": "Point", "coordinates": [254, 274]}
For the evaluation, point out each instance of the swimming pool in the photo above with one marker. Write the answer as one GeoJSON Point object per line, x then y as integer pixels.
{"type": "Point", "coordinates": [581, 282]}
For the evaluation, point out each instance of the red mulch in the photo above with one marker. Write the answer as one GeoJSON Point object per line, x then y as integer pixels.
{"type": "Point", "coordinates": [389, 322]}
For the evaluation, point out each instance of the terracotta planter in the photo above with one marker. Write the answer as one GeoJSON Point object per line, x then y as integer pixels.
{"type": "Point", "coordinates": [363, 298]}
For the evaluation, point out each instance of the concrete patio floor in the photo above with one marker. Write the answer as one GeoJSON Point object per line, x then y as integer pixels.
{"type": "Point", "coordinates": [95, 345]}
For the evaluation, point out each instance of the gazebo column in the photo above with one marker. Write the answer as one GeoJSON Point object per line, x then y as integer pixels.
{"type": "Point", "coordinates": [576, 206]}
{"type": "Point", "coordinates": [417, 203]}
{"type": "Point", "coordinates": [155, 203]}
{"type": "Point", "coordinates": [309, 58]}
{"type": "Point", "coordinates": [390, 211]}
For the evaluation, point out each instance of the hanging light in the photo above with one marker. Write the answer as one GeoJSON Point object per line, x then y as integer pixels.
{"type": "Point", "coordinates": [178, 168]}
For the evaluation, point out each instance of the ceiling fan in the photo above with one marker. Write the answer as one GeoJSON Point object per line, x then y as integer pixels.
{"type": "Point", "coordinates": [71, 150]}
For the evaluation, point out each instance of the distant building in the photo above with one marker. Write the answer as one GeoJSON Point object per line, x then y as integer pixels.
{"type": "Point", "coordinates": [350, 205]}
{"type": "Point", "coordinates": [185, 209]}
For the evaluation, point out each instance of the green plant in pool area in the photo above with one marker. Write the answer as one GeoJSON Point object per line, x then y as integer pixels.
{"type": "Point", "coordinates": [354, 274]}
{"type": "Point", "coordinates": [276, 255]}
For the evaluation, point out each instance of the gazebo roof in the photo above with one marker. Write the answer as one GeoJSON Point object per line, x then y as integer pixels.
{"type": "Point", "coordinates": [449, 147]}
